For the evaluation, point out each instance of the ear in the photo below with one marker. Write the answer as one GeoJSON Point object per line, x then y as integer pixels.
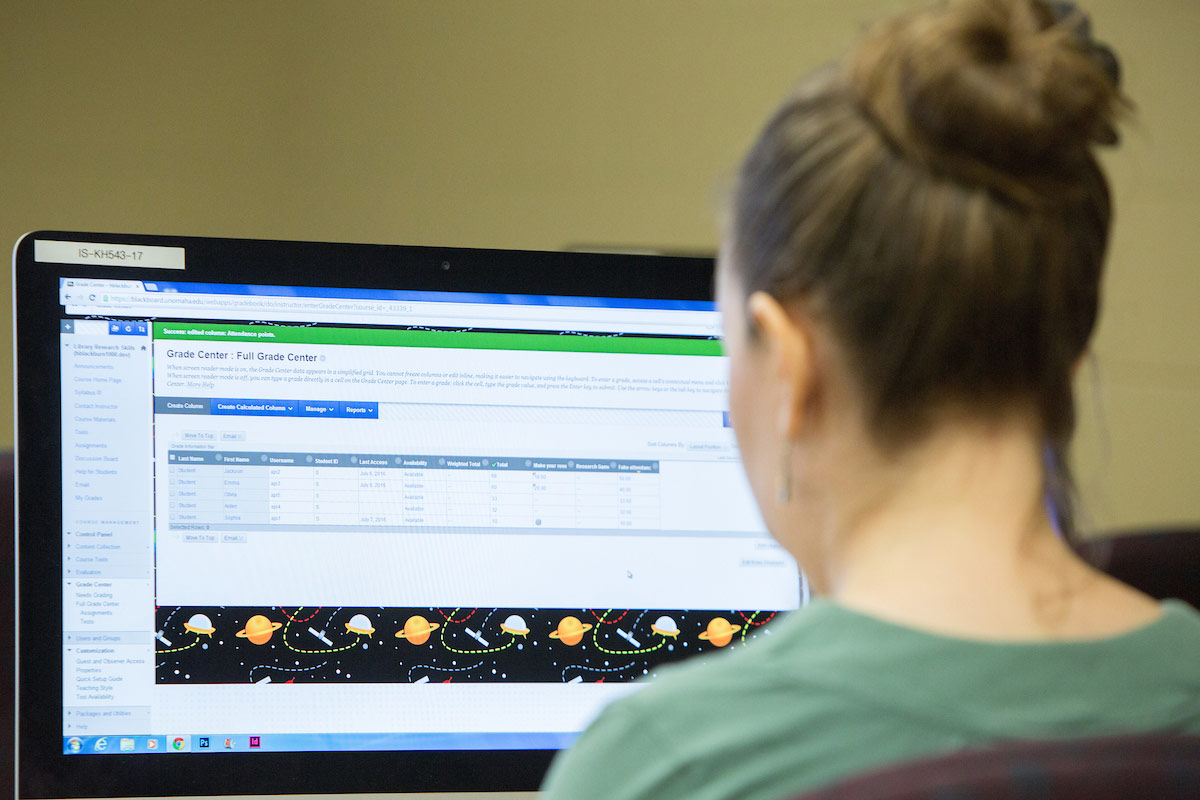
{"type": "Point", "coordinates": [787, 345]}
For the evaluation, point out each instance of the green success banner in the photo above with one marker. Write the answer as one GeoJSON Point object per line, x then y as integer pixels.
{"type": "Point", "coordinates": [469, 340]}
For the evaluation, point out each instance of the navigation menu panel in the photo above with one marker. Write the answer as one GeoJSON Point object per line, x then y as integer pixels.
{"type": "Point", "coordinates": [108, 558]}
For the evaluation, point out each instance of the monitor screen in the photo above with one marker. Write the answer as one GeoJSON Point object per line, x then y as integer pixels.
{"type": "Point", "coordinates": [344, 516]}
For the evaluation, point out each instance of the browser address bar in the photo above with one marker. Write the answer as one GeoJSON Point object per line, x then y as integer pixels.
{"type": "Point", "coordinates": [317, 309]}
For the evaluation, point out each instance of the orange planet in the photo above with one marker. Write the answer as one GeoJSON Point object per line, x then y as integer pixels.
{"type": "Point", "coordinates": [570, 630]}
{"type": "Point", "coordinates": [258, 629]}
{"type": "Point", "coordinates": [719, 631]}
{"type": "Point", "coordinates": [417, 629]}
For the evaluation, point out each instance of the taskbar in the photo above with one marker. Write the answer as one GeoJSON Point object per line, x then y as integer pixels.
{"type": "Point", "coordinates": [314, 742]}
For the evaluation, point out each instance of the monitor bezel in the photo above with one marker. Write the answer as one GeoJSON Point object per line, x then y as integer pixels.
{"type": "Point", "coordinates": [43, 770]}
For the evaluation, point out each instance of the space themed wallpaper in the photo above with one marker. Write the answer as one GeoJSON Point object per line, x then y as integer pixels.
{"type": "Point", "coordinates": [417, 645]}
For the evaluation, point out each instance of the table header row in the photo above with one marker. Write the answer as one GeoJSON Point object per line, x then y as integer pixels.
{"type": "Point", "coordinates": [402, 461]}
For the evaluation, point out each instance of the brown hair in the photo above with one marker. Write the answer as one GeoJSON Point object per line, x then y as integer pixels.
{"type": "Point", "coordinates": [934, 198]}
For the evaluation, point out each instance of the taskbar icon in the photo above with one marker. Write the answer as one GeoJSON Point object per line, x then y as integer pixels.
{"type": "Point", "coordinates": [179, 743]}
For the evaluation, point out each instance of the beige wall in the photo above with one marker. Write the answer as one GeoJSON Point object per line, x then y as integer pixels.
{"type": "Point", "coordinates": [543, 124]}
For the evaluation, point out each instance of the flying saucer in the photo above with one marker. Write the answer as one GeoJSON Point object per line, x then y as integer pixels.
{"type": "Point", "coordinates": [515, 625]}
{"type": "Point", "coordinates": [199, 623]}
{"type": "Point", "coordinates": [417, 629]}
{"type": "Point", "coordinates": [258, 629]}
{"type": "Point", "coordinates": [665, 626]}
{"type": "Point", "coordinates": [361, 625]}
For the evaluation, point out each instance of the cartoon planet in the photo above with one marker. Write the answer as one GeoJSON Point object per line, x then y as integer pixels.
{"type": "Point", "coordinates": [719, 631]}
{"type": "Point", "coordinates": [361, 625]}
{"type": "Point", "coordinates": [199, 623]}
{"type": "Point", "coordinates": [570, 630]}
{"type": "Point", "coordinates": [665, 626]}
{"type": "Point", "coordinates": [259, 629]}
{"type": "Point", "coordinates": [417, 629]}
{"type": "Point", "coordinates": [515, 625]}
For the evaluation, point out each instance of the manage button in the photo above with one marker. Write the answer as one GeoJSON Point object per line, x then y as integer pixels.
{"type": "Point", "coordinates": [364, 410]}
{"type": "Point", "coordinates": [318, 408]}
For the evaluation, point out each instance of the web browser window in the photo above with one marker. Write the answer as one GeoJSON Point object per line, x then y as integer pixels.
{"type": "Point", "coordinates": [329, 519]}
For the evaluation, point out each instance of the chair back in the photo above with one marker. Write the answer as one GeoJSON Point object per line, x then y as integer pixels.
{"type": "Point", "coordinates": [7, 589]}
{"type": "Point", "coordinates": [1144, 767]}
{"type": "Point", "coordinates": [1162, 563]}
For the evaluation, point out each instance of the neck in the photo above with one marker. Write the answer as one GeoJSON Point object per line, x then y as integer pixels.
{"type": "Point", "coordinates": [952, 536]}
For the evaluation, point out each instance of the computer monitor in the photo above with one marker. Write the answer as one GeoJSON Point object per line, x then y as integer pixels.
{"type": "Point", "coordinates": [312, 517]}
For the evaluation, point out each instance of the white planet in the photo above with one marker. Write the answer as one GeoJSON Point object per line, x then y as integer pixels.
{"type": "Point", "coordinates": [361, 625]}
{"type": "Point", "coordinates": [515, 625]}
{"type": "Point", "coordinates": [665, 626]}
{"type": "Point", "coordinates": [199, 623]}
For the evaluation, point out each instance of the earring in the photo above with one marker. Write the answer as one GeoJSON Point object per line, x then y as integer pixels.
{"type": "Point", "coordinates": [784, 493]}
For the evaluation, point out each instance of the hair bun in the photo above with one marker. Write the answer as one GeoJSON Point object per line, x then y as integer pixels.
{"type": "Point", "coordinates": [980, 86]}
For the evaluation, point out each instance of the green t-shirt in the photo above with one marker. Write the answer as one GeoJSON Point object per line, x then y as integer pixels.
{"type": "Point", "coordinates": [832, 692]}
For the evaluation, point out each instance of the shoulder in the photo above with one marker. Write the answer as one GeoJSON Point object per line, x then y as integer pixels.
{"type": "Point", "coordinates": [1182, 616]}
{"type": "Point", "coordinates": [705, 727]}
{"type": "Point", "coordinates": [786, 654]}
{"type": "Point", "coordinates": [830, 691]}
